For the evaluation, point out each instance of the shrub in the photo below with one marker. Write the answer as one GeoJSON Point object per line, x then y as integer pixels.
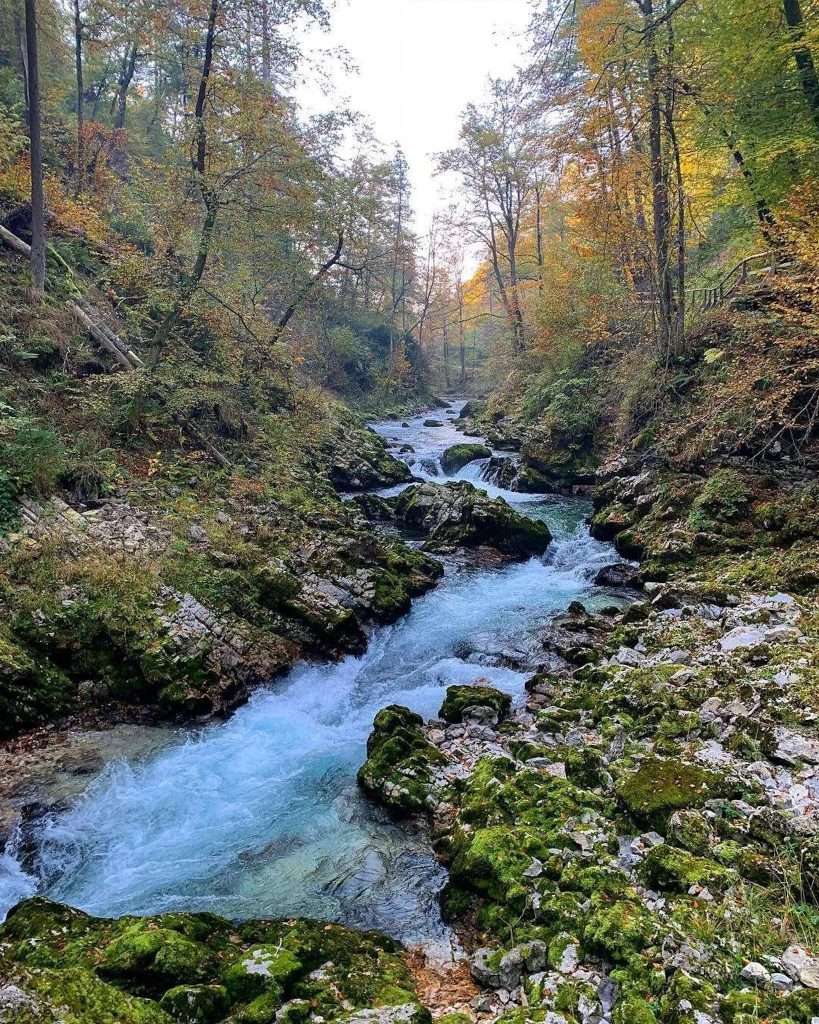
{"type": "Point", "coordinates": [32, 456]}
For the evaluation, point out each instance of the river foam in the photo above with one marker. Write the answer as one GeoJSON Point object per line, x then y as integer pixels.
{"type": "Point", "coordinates": [260, 815]}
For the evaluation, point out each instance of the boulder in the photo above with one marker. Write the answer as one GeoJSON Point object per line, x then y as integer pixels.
{"type": "Point", "coordinates": [460, 698]}
{"type": "Point", "coordinates": [458, 455]}
{"type": "Point", "coordinates": [801, 966]}
{"type": "Point", "coordinates": [400, 760]}
{"type": "Point", "coordinates": [661, 786]}
{"type": "Point", "coordinates": [620, 574]}
{"type": "Point", "coordinates": [458, 515]}
{"type": "Point", "coordinates": [471, 409]}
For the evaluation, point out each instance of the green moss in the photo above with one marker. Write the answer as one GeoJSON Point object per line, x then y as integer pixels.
{"type": "Point", "coordinates": [31, 690]}
{"type": "Point", "coordinates": [459, 698]}
{"type": "Point", "coordinates": [78, 996]}
{"type": "Point", "coordinates": [725, 498]}
{"type": "Point", "coordinates": [667, 867]}
{"type": "Point", "coordinates": [492, 861]}
{"type": "Point", "coordinates": [196, 1004]}
{"type": "Point", "coordinates": [400, 760]}
{"type": "Point", "coordinates": [458, 455]}
{"type": "Point", "coordinates": [619, 929]}
{"type": "Point", "coordinates": [633, 1010]}
{"type": "Point", "coordinates": [659, 787]}
{"type": "Point", "coordinates": [155, 956]}
{"type": "Point", "coordinates": [195, 967]}
{"type": "Point", "coordinates": [690, 830]}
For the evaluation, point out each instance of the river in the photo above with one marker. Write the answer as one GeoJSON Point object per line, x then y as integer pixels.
{"type": "Point", "coordinates": [260, 815]}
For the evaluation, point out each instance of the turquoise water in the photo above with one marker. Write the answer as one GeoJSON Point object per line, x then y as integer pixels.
{"type": "Point", "coordinates": [260, 815]}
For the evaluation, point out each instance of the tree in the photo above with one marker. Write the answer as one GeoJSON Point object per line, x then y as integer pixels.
{"type": "Point", "coordinates": [38, 235]}
{"type": "Point", "coordinates": [497, 160]}
{"type": "Point", "coordinates": [78, 33]}
{"type": "Point", "coordinates": [803, 57]}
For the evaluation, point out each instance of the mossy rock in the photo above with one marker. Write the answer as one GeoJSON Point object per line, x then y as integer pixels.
{"type": "Point", "coordinates": [690, 830]}
{"type": "Point", "coordinates": [668, 867]}
{"type": "Point", "coordinates": [400, 760]}
{"type": "Point", "coordinates": [85, 970]}
{"type": "Point", "coordinates": [459, 698]}
{"type": "Point", "coordinates": [492, 861]}
{"type": "Point", "coordinates": [618, 930]}
{"type": "Point", "coordinates": [31, 690]}
{"type": "Point", "coordinates": [78, 996]}
{"type": "Point", "coordinates": [458, 515]}
{"type": "Point", "coordinates": [155, 956]}
{"type": "Point", "coordinates": [260, 970]}
{"type": "Point", "coordinates": [661, 786]}
{"type": "Point", "coordinates": [633, 1010]}
{"type": "Point", "coordinates": [196, 1004]}
{"type": "Point", "coordinates": [459, 455]}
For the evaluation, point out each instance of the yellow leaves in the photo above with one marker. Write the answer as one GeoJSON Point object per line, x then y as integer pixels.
{"type": "Point", "coordinates": [74, 215]}
{"type": "Point", "coordinates": [601, 33]}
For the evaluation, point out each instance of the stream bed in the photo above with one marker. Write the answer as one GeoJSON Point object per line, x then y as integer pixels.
{"type": "Point", "coordinates": [260, 815]}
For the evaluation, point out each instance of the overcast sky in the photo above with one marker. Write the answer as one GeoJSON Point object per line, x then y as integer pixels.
{"type": "Point", "coordinates": [420, 62]}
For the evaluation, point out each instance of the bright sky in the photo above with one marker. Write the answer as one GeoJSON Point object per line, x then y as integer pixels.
{"type": "Point", "coordinates": [420, 62]}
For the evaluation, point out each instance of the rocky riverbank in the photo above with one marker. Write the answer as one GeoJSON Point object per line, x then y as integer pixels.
{"type": "Point", "coordinates": [59, 966]}
{"type": "Point", "coordinates": [635, 843]}
{"type": "Point", "coordinates": [175, 603]}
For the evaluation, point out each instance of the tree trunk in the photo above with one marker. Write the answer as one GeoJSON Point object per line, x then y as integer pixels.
{"type": "Point", "coordinates": [123, 84]}
{"type": "Point", "coordinates": [659, 191]}
{"type": "Point", "coordinates": [266, 69]}
{"type": "Point", "coordinates": [209, 197]}
{"type": "Point", "coordinates": [38, 238]}
{"type": "Point", "coordinates": [461, 334]}
{"type": "Point", "coordinates": [803, 57]}
{"type": "Point", "coordinates": [446, 352]}
{"type": "Point", "coordinates": [670, 104]}
{"type": "Point", "coordinates": [539, 234]}
{"type": "Point", "coordinates": [80, 94]}
{"type": "Point", "coordinates": [322, 271]}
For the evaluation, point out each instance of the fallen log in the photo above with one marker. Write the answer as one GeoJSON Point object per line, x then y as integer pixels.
{"type": "Point", "coordinates": [13, 242]}
{"type": "Point", "coordinates": [101, 337]}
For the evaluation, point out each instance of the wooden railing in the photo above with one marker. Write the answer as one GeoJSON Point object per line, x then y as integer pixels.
{"type": "Point", "coordinates": [701, 299]}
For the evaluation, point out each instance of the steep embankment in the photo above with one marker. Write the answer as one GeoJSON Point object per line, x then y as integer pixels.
{"type": "Point", "coordinates": [171, 533]}
{"type": "Point", "coordinates": [705, 466]}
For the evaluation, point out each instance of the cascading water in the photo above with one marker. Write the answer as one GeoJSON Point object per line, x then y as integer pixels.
{"type": "Point", "coordinates": [260, 816]}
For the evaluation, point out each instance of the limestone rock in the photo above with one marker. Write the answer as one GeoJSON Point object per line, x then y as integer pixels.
{"type": "Point", "coordinates": [459, 515]}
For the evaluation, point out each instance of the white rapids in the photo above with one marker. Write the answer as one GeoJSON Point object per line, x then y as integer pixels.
{"type": "Point", "coordinates": [260, 815]}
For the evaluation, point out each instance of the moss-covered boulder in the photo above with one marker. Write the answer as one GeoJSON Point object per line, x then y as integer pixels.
{"type": "Point", "coordinates": [619, 929]}
{"type": "Point", "coordinates": [459, 455]}
{"type": "Point", "coordinates": [68, 967]}
{"type": "Point", "coordinates": [151, 956]}
{"type": "Point", "coordinates": [400, 760]}
{"type": "Point", "coordinates": [660, 786]}
{"type": "Point", "coordinates": [357, 457]}
{"type": "Point", "coordinates": [262, 969]}
{"type": "Point", "coordinates": [196, 1004]}
{"type": "Point", "coordinates": [459, 698]}
{"type": "Point", "coordinates": [459, 515]}
{"type": "Point", "coordinates": [668, 867]}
